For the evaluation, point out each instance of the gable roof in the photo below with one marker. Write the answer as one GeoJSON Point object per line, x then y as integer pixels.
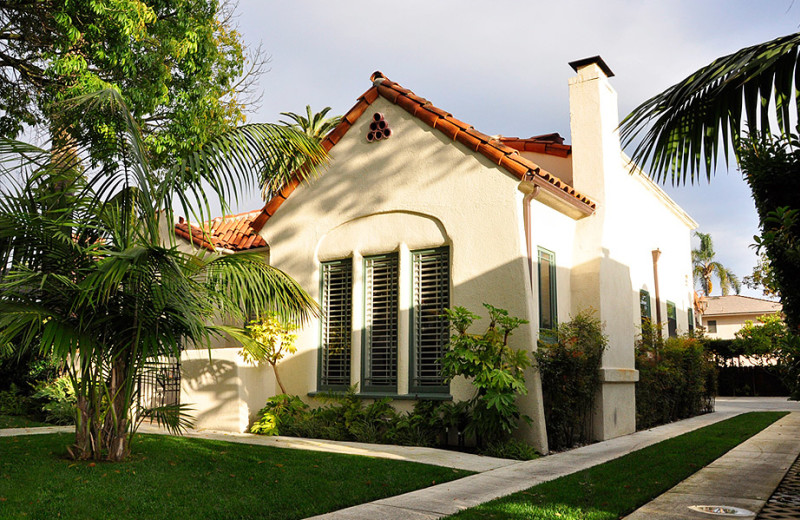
{"type": "Point", "coordinates": [504, 154]}
{"type": "Point", "coordinates": [736, 304]}
{"type": "Point", "coordinates": [233, 232]}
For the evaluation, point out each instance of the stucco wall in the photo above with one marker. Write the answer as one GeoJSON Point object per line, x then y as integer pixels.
{"type": "Point", "coordinates": [728, 326]}
{"type": "Point", "coordinates": [415, 190]}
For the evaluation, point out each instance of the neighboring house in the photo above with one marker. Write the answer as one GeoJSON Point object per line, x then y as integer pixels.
{"type": "Point", "coordinates": [418, 211]}
{"type": "Point", "coordinates": [723, 316]}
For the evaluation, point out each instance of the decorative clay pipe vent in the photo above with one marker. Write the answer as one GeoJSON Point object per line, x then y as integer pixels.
{"type": "Point", "coordinates": [378, 128]}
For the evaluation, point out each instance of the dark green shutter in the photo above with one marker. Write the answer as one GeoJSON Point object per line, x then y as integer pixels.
{"type": "Point", "coordinates": [430, 332]}
{"type": "Point", "coordinates": [644, 306]}
{"type": "Point", "coordinates": [381, 309]}
{"type": "Point", "coordinates": [672, 320]}
{"type": "Point", "coordinates": [336, 298]}
{"type": "Point", "coordinates": [548, 298]}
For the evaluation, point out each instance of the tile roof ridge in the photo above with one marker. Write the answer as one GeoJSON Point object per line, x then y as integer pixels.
{"type": "Point", "coordinates": [490, 147]}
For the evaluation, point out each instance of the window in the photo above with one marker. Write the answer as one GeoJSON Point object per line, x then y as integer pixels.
{"type": "Point", "coordinates": [548, 319]}
{"type": "Point", "coordinates": [380, 324]}
{"type": "Point", "coordinates": [644, 307]}
{"type": "Point", "coordinates": [691, 321]}
{"type": "Point", "coordinates": [712, 326]}
{"type": "Point", "coordinates": [430, 334]}
{"type": "Point", "coordinates": [672, 320]}
{"type": "Point", "coordinates": [336, 301]}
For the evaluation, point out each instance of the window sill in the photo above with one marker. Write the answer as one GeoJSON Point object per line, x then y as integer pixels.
{"type": "Point", "coordinates": [395, 397]}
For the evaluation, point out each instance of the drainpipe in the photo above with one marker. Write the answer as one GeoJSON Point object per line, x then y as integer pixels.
{"type": "Point", "coordinates": [656, 255]}
{"type": "Point", "coordinates": [526, 211]}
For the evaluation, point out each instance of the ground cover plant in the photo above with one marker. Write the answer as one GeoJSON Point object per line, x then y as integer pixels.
{"type": "Point", "coordinates": [18, 421]}
{"type": "Point", "coordinates": [173, 477]}
{"type": "Point", "coordinates": [611, 490]}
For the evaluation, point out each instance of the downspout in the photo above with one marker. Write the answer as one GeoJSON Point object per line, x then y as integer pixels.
{"type": "Point", "coordinates": [656, 255]}
{"type": "Point", "coordinates": [526, 212]}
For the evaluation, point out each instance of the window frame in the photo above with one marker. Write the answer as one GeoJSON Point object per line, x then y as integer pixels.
{"type": "Point", "coordinates": [366, 358]}
{"type": "Point", "coordinates": [413, 386]}
{"type": "Point", "coordinates": [710, 324]}
{"type": "Point", "coordinates": [549, 332]}
{"type": "Point", "coordinates": [672, 320]}
{"type": "Point", "coordinates": [322, 384]}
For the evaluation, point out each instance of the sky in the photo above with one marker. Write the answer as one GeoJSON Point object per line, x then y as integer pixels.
{"type": "Point", "coordinates": [502, 66]}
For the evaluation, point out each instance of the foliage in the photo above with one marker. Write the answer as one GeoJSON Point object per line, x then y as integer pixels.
{"type": "Point", "coordinates": [570, 372]}
{"type": "Point", "coordinates": [179, 65]}
{"type": "Point", "coordinates": [763, 278]}
{"type": "Point", "coordinates": [57, 400]}
{"type": "Point", "coordinates": [770, 169]}
{"type": "Point", "coordinates": [345, 417]}
{"type": "Point", "coordinates": [677, 378]}
{"type": "Point", "coordinates": [510, 449]}
{"type": "Point", "coordinates": [314, 125]}
{"type": "Point", "coordinates": [615, 489]}
{"type": "Point", "coordinates": [704, 267]}
{"type": "Point", "coordinates": [696, 118]}
{"type": "Point", "coordinates": [92, 283]}
{"type": "Point", "coordinates": [273, 339]}
{"type": "Point", "coordinates": [496, 369]}
{"type": "Point", "coordinates": [171, 477]}
{"type": "Point", "coordinates": [770, 344]}
{"type": "Point", "coordinates": [14, 402]}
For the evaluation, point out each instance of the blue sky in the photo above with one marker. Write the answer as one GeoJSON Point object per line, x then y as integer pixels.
{"type": "Point", "coordinates": [502, 67]}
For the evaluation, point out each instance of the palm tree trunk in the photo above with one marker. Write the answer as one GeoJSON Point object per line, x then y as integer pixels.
{"type": "Point", "coordinates": [116, 430]}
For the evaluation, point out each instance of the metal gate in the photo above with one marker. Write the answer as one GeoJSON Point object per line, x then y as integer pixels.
{"type": "Point", "coordinates": [160, 383]}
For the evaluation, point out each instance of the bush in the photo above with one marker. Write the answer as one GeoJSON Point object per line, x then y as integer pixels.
{"type": "Point", "coordinates": [57, 400]}
{"type": "Point", "coordinates": [13, 402]}
{"type": "Point", "coordinates": [570, 372]}
{"type": "Point", "coordinates": [497, 372]}
{"type": "Point", "coordinates": [677, 378]}
{"type": "Point", "coordinates": [510, 449]}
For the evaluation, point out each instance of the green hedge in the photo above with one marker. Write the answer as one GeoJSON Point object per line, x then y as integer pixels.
{"type": "Point", "coordinates": [677, 379]}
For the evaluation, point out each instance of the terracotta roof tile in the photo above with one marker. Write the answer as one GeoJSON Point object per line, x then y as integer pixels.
{"type": "Point", "coordinates": [234, 232]}
{"type": "Point", "coordinates": [503, 151]}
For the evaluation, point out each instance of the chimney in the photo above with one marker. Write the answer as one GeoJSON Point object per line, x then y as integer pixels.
{"type": "Point", "coordinates": [594, 119]}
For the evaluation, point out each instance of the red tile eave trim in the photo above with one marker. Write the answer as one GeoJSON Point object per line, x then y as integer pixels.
{"type": "Point", "coordinates": [504, 152]}
{"type": "Point", "coordinates": [194, 240]}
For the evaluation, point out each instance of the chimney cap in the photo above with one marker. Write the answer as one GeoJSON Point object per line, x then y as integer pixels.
{"type": "Point", "coordinates": [577, 64]}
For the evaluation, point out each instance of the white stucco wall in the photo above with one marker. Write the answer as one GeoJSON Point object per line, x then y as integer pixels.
{"type": "Point", "coordinates": [728, 326]}
{"type": "Point", "coordinates": [613, 248]}
{"type": "Point", "coordinates": [417, 189]}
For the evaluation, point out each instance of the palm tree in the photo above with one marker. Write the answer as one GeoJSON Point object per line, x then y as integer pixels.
{"type": "Point", "coordinates": [313, 125]}
{"type": "Point", "coordinates": [91, 282]}
{"type": "Point", "coordinates": [696, 118]}
{"type": "Point", "coordinates": [705, 267]}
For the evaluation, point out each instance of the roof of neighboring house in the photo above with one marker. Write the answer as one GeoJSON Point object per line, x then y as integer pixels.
{"type": "Point", "coordinates": [551, 144]}
{"type": "Point", "coordinates": [233, 232]}
{"type": "Point", "coordinates": [501, 151]}
{"type": "Point", "coordinates": [736, 304]}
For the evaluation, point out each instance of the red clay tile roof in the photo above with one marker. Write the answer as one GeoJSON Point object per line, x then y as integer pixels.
{"type": "Point", "coordinates": [233, 232]}
{"type": "Point", "coordinates": [551, 144]}
{"type": "Point", "coordinates": [503, 151]}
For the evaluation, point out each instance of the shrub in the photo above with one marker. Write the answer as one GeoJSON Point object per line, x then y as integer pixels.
{"type": "Point", "coordinates": [496, 370]}
{"type": "Point", "coordinates": [13, 402]}
{"type": "Point", "coordinates": [510, 449]}
{"type": "Point", "coordinates": [570, 372]}
{"type": "Point", "coordinates": [677, 379]}
{"type": "Point", "coordinates": [57, 400]}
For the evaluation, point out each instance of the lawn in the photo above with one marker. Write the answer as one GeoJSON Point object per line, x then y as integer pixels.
{"type": "Point", "coordinates": [17, 421]}
{"type": "Point", "coordinates": [174, 477]}
{"type": "Point", "coordinates": [614, 489]}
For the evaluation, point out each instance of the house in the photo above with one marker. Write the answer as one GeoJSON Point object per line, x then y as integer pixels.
{"type": "Point", "coordinates": [723, 316]}
{"type": "Point", "coordinates": [418, 211]}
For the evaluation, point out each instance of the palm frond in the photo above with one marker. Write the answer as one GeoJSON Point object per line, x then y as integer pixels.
{"type": "Point", "coordinates": [696, 118]}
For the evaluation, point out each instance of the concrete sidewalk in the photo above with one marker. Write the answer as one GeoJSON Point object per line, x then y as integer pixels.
{"type": "Point", "coordinates": [743, 478]}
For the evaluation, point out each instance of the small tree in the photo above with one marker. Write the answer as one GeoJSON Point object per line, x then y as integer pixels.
{"type": "Point", "coordinates": [273, 339]}
{"type": "Point", "coordinates": [496, 369]}
{"type": "Point", "coordinates": [769, 343]}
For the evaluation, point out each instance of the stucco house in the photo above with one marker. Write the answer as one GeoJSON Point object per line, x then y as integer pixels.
{"type": "Point", "coordinates": [723, 316]}
{"type": "Point", "coordinates": [418, 211]}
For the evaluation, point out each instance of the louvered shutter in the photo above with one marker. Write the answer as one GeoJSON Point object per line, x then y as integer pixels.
{"type": "Point", "coordinates": [381, 309]}
{"type": "Point", "coordinates": [430, 335]}
{"type": "Point", "coordinates": [337, 299]}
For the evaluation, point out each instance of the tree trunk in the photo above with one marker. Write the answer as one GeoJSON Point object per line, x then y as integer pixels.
{"type": "Point", "coordinates": [116, 427]}
{"type": "Point", "coordinates": [277, 377]}
{"type": "Point", "coordinates": [82, 449]}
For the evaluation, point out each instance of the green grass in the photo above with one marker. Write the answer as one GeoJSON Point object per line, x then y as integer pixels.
{"type": "Point", "coordinates": [175, 478]}
{"type": "Point", "coordinates": [17, 421]}
{"type": "Point", "coordinates": [614, 489]}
